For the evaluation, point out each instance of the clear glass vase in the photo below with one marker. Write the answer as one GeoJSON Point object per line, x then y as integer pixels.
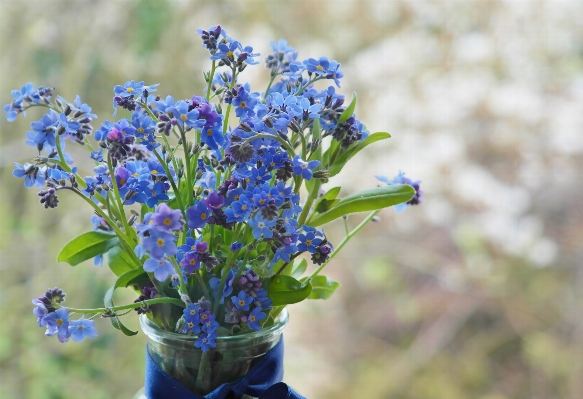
{"type": "Point", "coordinates": [233, 357]}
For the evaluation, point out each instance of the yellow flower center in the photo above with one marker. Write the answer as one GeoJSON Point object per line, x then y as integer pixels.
{"type": "Point", "coordinates": [203, 216]}
{"type": "Point", "coordinates": [167, 221]}
{"type": "Point", "coordinates": [60, 322]}
{"type": "Point", "coordinates": [319, 67]}
{"type": "Point", "coordinates": [243, 104]}
{"type": "Point", "coordinates": [251, 319]}
{"type": "Point", "coordinates": [308, 242]}
{"type": "Point", "coordinates": [230, 54]}
{"type": "Point", "coordinates": [183, 117]}
{"type": "Point", "coordinates": [154, 172]}
{"type": "Point", "coordinates": [241, 303]}
{"type": "Point", "coordinates": [141, 130]}
{"type": "Point", "coordinates": [160, 242]}
{"type": "Point", "coordinates": [209, 132]}
{"type": "Point", "coordinates": [130, 89]}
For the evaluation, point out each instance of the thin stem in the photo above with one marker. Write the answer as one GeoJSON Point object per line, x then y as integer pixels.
{"type": "Point", "coordinates": [61, 156]}
{"type": "Point", "coordinates": [346, 239]}
{"type": "Point", "coordinates": [187, 159]}
{"type": "Point", "coordinates": [269, 86]}
{"type": "Point", "coordinates": [203, 285]}
{"type": "Point", "coordinates": [212, 74]}
{"type": "Point", "coordinates": [135, 305]}
{"type": "Point", "coordinates": [117, 197]}
{"type": "Point", "coordinates": [176, 191]}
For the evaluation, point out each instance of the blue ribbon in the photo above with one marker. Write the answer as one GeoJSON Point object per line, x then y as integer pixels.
{"type": "Point", "coordinates": [262, 381]}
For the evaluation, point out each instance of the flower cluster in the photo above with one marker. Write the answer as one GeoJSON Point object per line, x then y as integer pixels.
{"type": "Point", "coordinates": [199, 198]}
{"type": "Point", "coordinates": [55, 318]}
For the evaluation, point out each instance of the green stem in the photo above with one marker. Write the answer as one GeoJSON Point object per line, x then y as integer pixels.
{"type": "Point", "coordinates": [117, 197]}
{"type": "Point", "coordinates": [212, 74]}
{"type": "Point", "coordinates": [308, 205]}
{"type": "Point", "coordinates": [176, 192]}
{"type": "Point", "coordinates": [148, 302]}
{"type": "Point", "coordinates": [343, 243]}
{"type": "Point", "coordinates": [189, 181]}
{"type": "Point", "coordinates": [269, 86]}
{"type": "Point", "coordinates": [61, 157]}
{"type": "Point", "coordinates": [203, 285]}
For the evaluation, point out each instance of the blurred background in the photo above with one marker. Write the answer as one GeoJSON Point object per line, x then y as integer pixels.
{"type": "Point", "coordinates": [474, 294]}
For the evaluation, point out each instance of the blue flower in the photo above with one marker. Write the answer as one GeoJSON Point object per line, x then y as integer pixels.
{"type": "Point", "coordinates": [81, 329]}
{"type": "Point", "coordinates": [245, 102]}
{"type": "Point", "coordinates": [32, 174]}
{"type": "Point", "coordinates": [319, 67]}
{"type": "Point", "coordinates": [308, 242]}
{"type": "Point", "coordinates": [185, 117]}
{"type": "Point", "coordinates": [242, 301]}
{"type": "Point", "coordinates": [198, 215]}
{"type": "Point", "coordinates": [160, 267]}
{"type": "Point", "coordinates": [129, 88]}
{"type": "Point", "coordinates": [261, 227]}
{"type": "Point", "coordinates": [57, 322]}
{"type": "Point", "coordinates": [304, 168]}
{"type": "Point", "coordinates": [212, 136]}
{"type": "Point", "coordinates": [45, 128]}
{"type": "Point", "coordinates": [191, 313]}
{"type": "Point", "coordinates": [160, 243]}
{"type": "Point", "coordinates": [254, 318]}
{"type": "Point", "coordinates": [226, 53]}
{"type": "Point", "coordinates": [206, 341]}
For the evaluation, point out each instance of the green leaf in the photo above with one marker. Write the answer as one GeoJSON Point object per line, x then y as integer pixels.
{"type": "Point", "coordinates": [368, 200]}
{"type": "Point", "coordinates": [284, 290]}
{"type": "Point", "coordinates": [115, 322]}
{"type": "Point", "coordinates": [345, 156]}
{"type": "Point", "coordinates": [328, 200]}
{"type": "Point", "coordinates": [349, 110]}
{"type": "Point", "coordinates": [323, 287]}
{"type": "Point", "coordinates": [87, 246]}
{"type": "Point", "coordinates": [119, 261]}
{"type": "Point", "coordinates": [299, 268]}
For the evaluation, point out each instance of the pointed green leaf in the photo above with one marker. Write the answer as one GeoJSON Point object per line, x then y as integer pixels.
{"type": "Point", "coordinates": [368, 200]}
{"type": "Point", "coordinates": [328, 200]}
{"type": "Point", "coordinates": [345, 156]}
{"type": "Point", "coordinates": [87, 246]}
{"type": "Point", "coordinates": [285, 290]}
{"type": "Point", "coordinates": [323, 287]}
{"type": "Point", "coordinates": [119, 261]}
{"type": "Point", "coordinates": [349, 110]}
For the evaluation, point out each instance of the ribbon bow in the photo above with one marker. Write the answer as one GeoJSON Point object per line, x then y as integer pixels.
{"type": "Point", "coordinates": [262, 381]}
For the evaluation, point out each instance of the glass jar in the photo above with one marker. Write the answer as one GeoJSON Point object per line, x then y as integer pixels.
{"type": "Point", "coordinates": [233, 357]}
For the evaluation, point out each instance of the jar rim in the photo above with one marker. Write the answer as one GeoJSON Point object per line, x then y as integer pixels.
{"type": "Point", "coordinates": [152, 330]}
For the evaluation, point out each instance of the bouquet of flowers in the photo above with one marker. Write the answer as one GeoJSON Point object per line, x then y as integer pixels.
{"type": "Point", "coordinates": [210, 217]}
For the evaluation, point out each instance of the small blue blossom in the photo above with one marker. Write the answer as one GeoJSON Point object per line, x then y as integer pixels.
{"type": "Point", "coordinates": [81, 329]}
{"type": "Point", "coordinates": [242, 301]}
{"type": "Point", "coordinates": [206, 341]}
{"type": "Point", "coordinates": [160, 267]}
{"type": "Point", "coordinates": [254, 318]}
{"type": "Point", "coordinates": [304, 168]}
{"type": "Point", "coordinates": [308, 242]}
{"type": "Point", "coordinates": [57, 322]}
{"type": "Point", "coordinates": [261, 227]}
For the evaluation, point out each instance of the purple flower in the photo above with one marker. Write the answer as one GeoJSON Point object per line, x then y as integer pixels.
{"type": "Point", "coordinates": [254, 318]}
{"type": "Point", "coordinates": [167, 219]}
{"type": "Point", "coordinates": [161, 268]}
{"type": "Point", "coordinates": [81, 329]}
{"type": "Point", "coordinates": [40, 311]}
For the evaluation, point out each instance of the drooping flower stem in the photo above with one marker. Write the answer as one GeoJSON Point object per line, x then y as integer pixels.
{"type": "Point", "coordinates": [343, 243]}
{"type": "Point", "coordinates": [148, 302]}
